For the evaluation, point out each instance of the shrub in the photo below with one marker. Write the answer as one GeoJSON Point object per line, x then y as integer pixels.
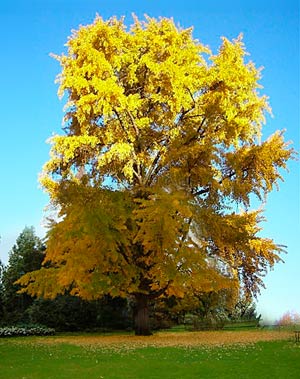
{"type": "Point", "coordinates": [26, 330]}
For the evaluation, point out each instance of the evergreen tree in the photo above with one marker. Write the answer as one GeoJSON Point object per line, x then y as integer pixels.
{"type": "Point", "coordinates": [26, 255]}
{"type": "Point", "coordinates": [1, 291]}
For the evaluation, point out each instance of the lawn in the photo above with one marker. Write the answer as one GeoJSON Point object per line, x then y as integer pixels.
{"type": "Point", "coordinates": [164, 355]}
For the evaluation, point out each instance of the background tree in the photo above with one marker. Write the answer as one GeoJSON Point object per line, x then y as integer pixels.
{"type": "Point", "coordinates": [63, 313]}
{"type": "Point", "coordinates": [1, 292]}
{"type": "Point", "coordinates": [153, 177]}
{"type": "Point", "coordinates": [70, 313]}
{"type": "Point", "coordinates": [244, 310]}
{"type": "Point", "coordinates": [208, 310]}
{"type": "Point", "coordinates": [26, 255]}
{"type": "Point", "coordinates": [289, 318]}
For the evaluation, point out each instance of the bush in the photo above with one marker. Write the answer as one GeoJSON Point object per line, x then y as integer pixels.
{"type": "Point", "coordinates": [26, 330]}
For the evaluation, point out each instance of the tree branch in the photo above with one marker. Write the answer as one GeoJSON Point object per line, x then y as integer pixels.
{"type": "Point", "coordinates": [122, 252]}
{"type": "Point", "coordinates": [160, 292]}
{"type": "Point", "coordinates": [133, 123]}
{"type": "Point", "coordinates": [206, 190]}
{"type": "Point", "coordinates": [152, 168]}
{"type": "Point", "coordinates": [188, 110]}
{"type": "Point", "coordinates": [201, 192]}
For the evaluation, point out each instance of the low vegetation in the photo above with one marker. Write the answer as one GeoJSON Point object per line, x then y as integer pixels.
{"type": "Point", "coordinates": [26, 330]}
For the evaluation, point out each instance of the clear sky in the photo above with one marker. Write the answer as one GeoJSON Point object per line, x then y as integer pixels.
{"type": "Point", "coordinates": [31, 111]}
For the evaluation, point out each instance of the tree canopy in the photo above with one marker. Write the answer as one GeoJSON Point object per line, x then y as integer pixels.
{"type": "Point", "coordinates": [153, 178]}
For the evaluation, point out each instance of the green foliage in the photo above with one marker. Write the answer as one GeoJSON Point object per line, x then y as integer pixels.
{"type": "Point", "coordinates": [26, 255]}
{"type": "Point", "coordinates": [70, 313]}
{"type": "Point", "coordinates": [63, 313]}
{"type": "Point", "coordinates": [1, 291]}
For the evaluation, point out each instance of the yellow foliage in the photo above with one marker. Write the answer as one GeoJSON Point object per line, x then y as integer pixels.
{"type": "Point", "coordinates": [162, 145]}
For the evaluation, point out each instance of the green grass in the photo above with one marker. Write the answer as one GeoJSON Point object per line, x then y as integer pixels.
{"type": "Point", "coordinates": [24, 359]}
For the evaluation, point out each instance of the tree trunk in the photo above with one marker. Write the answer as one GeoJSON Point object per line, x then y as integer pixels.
{"type": "Point", "coordinates": [141, 318]}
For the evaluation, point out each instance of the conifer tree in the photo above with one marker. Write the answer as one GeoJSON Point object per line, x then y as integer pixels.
{"type": "Point", "coordinates": [26, 255]}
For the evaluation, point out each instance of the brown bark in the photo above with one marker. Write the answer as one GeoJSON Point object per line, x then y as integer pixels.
{"type": "Point", "coordinates": [141, 318]}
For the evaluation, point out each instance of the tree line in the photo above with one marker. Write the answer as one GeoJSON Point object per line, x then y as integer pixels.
{"type": "Point", "coordinates": [71, 313]}
{"type": "Point", "coordinates": [65, 312]}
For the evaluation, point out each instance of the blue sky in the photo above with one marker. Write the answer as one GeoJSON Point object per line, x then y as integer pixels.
{"type": "Point", "coordinates": [31, 111]}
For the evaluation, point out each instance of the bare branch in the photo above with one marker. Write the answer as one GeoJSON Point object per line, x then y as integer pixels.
{"type": "Point", "coordinates": [202, 192]}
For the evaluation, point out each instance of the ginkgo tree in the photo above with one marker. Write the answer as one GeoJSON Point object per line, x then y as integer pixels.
{"type": "Point", "coordinates": [153, 178]}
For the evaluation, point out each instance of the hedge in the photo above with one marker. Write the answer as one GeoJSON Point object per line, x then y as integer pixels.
{"type": "Point", "coordinates": [30, 330]}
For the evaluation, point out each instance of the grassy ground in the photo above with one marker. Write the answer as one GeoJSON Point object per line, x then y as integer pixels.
{"type": "Point", "coordinates": [165, 355]}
